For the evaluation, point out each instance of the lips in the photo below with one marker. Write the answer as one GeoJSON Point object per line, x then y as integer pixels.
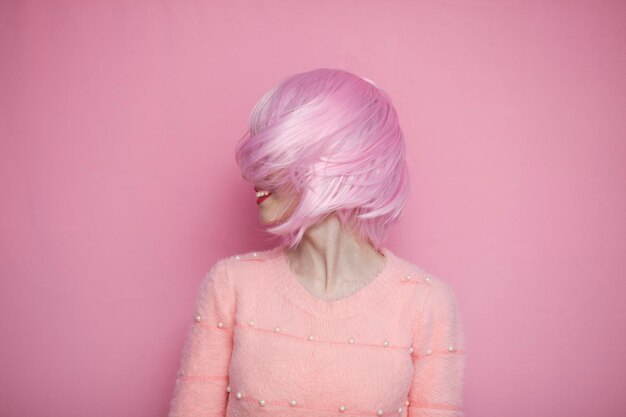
{"type": "Point", "coordinates": [262, 199]}
{"type": "Point", "coordinates": [261, 195]}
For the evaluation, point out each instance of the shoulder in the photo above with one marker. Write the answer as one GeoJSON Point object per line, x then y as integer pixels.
{"type": "Point", "coordinates": [415, 273]}
{"type": "Point", "coordinates": [438, 297]}
{"type": "Point", "coordinates": [433, 287]}
{"type": "Point", "coordinates": [235, 267]}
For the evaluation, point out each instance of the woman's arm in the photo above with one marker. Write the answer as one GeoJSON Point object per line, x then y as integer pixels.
{"type": "Point", "coordinates": [203, 375]}
{"type": "Point", "coordinates": [438, 356]}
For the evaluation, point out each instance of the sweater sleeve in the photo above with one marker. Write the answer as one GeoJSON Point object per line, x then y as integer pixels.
{"type": "Point", "coordinates": [438, 356]}
{"type": "Point", "coordinates": [202, 379]}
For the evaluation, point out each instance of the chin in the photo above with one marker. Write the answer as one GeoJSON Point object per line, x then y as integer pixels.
{"type": "Point", "coordinates": [263, 220]}
{"type": "Point", "coordinates": [268, 222]}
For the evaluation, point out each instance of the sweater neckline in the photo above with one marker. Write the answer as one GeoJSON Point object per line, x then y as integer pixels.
{"type": "Point", "coordinates": [358, 302]}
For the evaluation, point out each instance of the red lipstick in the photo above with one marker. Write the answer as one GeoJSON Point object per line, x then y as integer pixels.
{"type": "Point", "coordinates": [262, 199]}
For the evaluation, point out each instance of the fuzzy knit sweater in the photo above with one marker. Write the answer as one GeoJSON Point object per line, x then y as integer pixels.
{"type": "Point", "coordinates": [260, 344]}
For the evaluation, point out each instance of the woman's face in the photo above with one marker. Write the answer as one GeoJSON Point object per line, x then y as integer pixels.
{"type": "Point", "coordinates": [277, 206]}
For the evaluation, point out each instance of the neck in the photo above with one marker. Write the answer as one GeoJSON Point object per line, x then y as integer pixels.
{"type": "Point", "coordinates": [331, 257]}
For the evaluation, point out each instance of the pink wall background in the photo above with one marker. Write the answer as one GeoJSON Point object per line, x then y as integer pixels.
{"type": "Point", "coordinates": [119, 189]}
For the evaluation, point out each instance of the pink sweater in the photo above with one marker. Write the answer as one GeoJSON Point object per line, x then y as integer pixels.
{"type": "Point", "coordinates": [260, 344]}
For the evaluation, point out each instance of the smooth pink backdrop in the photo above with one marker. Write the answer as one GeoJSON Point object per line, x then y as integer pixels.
{"type": "Point", "coordinates": [119, 187]}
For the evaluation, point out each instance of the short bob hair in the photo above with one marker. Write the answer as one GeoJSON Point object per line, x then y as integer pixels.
{"type": "Point", "coordinates": [334, 138]}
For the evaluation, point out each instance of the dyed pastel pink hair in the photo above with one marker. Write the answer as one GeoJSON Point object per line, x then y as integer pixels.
{"type": "Point", "coordinates": [335, 139]}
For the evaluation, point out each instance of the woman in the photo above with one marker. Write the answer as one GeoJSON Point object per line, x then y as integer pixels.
{"type": "Point", "coordinates": [329, 321]}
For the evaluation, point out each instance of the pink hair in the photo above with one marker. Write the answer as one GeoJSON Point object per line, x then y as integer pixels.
{"type": "Point", "coordinates": [335, 138]}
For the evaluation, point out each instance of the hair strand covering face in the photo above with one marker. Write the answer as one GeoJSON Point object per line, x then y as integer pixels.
{"type": "Point", "coordinates": [334, 138]}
